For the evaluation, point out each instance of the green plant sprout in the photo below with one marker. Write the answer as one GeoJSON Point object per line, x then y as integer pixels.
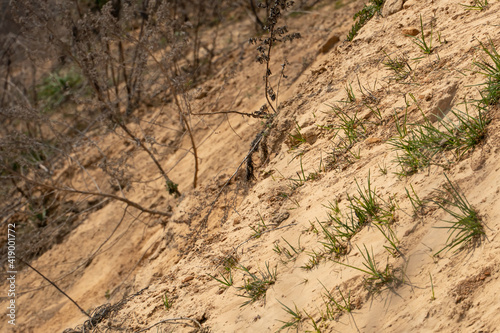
{"type": "Point", "coordinates": [332, 245]}
{"type": "Point", "coordinates": [289, 255]}
{"type": "Point", "coordinates": [425, 143]}
{"type": "Point", "coordinates": [225, 280]}
{"type": "Point", "coordinates": [424, 45]}
{"type": "Point", "coordinates": [314, 260]}
{"type": "Point", "coordinates": [166, 302]}
{"type": "Point", "coordinates": [297, 138]}
{"type": "Point", "coordinates": [260, 228]}
{"type": "Point", "coordinates": [376, 277]}
{"type": "Point", "coordinates": [416, 202]}
{"type": "Point", "coordinates": [433, 297]}
{"type": "Point", "coordinates": [343, 305]}
{"type": "Point", "coordinates": [296, 316]}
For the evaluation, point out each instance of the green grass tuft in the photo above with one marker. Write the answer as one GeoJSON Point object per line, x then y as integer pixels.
{"type": "Point", "coordinates": [399, 65]}
{"type": "Point", "coordinates": [490, 68]}
{"type": "Point", "coordinates": [426, 143]}
{"type": "Point", "coordinates": [226, 279]}
{"type": "Point", "coordinates": [296, 317]}
{"type": "Point", "coordinates": [256, 284]}
{"type": "Point", "coordinates": [376, 277]}
{"type": "Point", "coordinates": [466, 228]}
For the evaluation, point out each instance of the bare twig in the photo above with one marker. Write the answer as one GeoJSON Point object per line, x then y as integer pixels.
{"type": "Point", "coordinates": [174, 91]}
{"type": "Point", "coordinates": [94, 254]}
{"type": "Point", "coordinates": [168, 320]}
{"type": "Point", "coordinates": [268, 70]}
{"type": "Point", "coordinates": [195, 151]}
{"type": "Point", "coordinates": [52, 283]}
{"type": "Point", "coordinates": [256, 114]}
{"type": "Point", "coordinates": [172, 187]}
{"type": "Point", "coordinates": [100, 194]}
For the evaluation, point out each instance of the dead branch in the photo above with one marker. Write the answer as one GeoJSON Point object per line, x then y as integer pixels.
{"type": "Point", "coordinates": [100, 194]}
{"type": "Point", "coordinates": [170, 319]}
{"type": "Point", "coordinates": [172, 187]}
{"type": "Point", "coordinates": [174, 93]}
{"type": "Point", "coordinates": [256, 114]}
{"type": "Point", "coordinates": [52, 283]}
{"type": "Point", "coordinates": [195, 152]}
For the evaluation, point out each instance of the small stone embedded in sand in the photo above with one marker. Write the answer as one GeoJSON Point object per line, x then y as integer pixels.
{"type": "Point", "coordinates": [391, 7]}
{"type": "Point", "coordinates": [372, 140]}
{"type": "Point", "coordinates": [407, 4]}
{"type": "Point", "coordinates": [411, 31]}
{"type": "Point", "coordinates": [317, 71]}
{"type": "Point", "coordinates": [280, 218]}
{"type": "Point", "coordinates": [187, 279]}
{"type": "Point", "coordinates": [478, 159]}
{"type": "Point", "coordinates": [443, 102]}
{"type": "Point", "coordinates": [333, 39]}
{"type": "Point", "coordinates": [201, 95]}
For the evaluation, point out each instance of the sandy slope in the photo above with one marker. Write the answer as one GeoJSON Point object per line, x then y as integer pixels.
{"type": "Point", "coordinates": [173, 256]}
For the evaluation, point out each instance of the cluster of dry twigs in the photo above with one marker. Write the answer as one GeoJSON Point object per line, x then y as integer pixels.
{"type": "Point", "coordinates": [73, 73]}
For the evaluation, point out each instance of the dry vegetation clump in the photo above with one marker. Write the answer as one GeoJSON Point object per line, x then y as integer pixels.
{"type": "Point", "coordinates": [106, 60]}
